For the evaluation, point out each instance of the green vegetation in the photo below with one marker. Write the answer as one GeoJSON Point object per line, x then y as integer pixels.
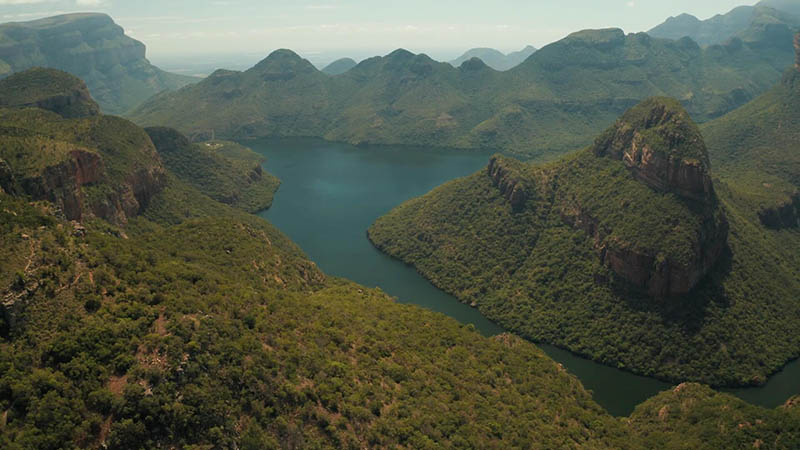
{"type": "Point", "coordinates": [197, 325]}
{"type": "Point", "coordinates": [756, 150]}
{"type": "Point", "coordinates": [92, 47]}
{"type": "Point", "coordinates": [225, 171]}
{"type": "Point", "coordinates": [543, 270]}
{"type": "Point", "coordinates": [555, 101]}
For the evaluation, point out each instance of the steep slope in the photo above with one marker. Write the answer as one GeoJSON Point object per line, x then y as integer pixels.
{"type": "Point", "coordinates": [92, 47]}
{"type": "Point", "coordinates": [339, 66]}
{"type": "Point", "coordinates": [745, 22]}
{"type": "Point", "coordinates": [757, 149]}
{"type": "Point", "coordinates": [620, 252]}
{"type": "Point", "coordinates": [237, 181]}
{"type": "Point", "coordinates": [557, 100]}
{"type": "Point", "coordinates": [494, 58]}
{"type": "Point", "coordinates": [56, 147]}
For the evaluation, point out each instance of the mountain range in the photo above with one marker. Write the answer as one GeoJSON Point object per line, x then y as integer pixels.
{"type": "Point", "coordinates": [495, 59]}
{"type": "Point", "coordinates": [742, 22]}
{"type": "Point", "coordinates": [557, 100]}
{"type": "Point", "coordinates": [160, 317]}
{"type": "Point", "coordinates": [92, 47]}
{"type": "Point", "coordinates": [634, 251]}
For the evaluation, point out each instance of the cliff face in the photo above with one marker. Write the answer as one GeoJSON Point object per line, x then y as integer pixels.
{"type": "Point", "coordinates": [662, 148]}
{"type": "Point", "coordinates": [509, 181]}
{"type": "Point", "coordinates": [48, 89]}
{"type": "Point", "coordinates": [92, 47]}
{"type": "Point", "coordinates": [797, 51]}
{"type": "Point", "coordinates": [785, 215]}
{"type": "Point", "coordinates": [64, 185]}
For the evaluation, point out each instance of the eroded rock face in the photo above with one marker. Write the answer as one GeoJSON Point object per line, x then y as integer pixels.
{"type": "Point", "coordinates": [785, 215]}
{"type": "Point", "coordinates": [662, 148]}
{"type": "Point", "coordinates": [63, 183]}
{"type": "Point", "coordinates": [77, 103]}
{"type": "Point", "coordinates": [647, 270]}
{"type": "Point", "coordinates": [509, 181]}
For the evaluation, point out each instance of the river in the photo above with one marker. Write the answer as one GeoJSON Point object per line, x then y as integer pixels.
{"type": "Point", "coordinates": [331, 194]}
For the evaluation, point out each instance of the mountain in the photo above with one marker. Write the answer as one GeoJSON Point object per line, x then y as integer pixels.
{"type": "Point", "coordinates": [494, 58]}
{"type": "Point", "coordinates": [339, 66]}
{"type": "Point", "coordinates": [53, 149]}
{"type": "Point", "coordinates": [757, 147]}
{"type": "Point", "coordinates": [558, 99]}
{"type": "Point", "coordinates": [92, 47]}
{"type": "Point", "coordinates": [745, 22]}
{"type": "Point", "coordinates": [632, 252]}
{"type": "Point", "coordinates": [196, 325]}
{"type": "Point", "coordinates": [225, 171]}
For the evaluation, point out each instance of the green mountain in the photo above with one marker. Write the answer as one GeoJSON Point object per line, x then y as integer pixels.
{"type": "Point", "coordinates": [625, 252]}
{"type": "Point", "coordinates": [757, 147]}
{"type": "Point", "coordinates": [340, 66]}
{"type": "Point", "coordinates": [197, 325]}
{"type": "Point", "coordinates": [557, 100]}
{"type": "Point", "coordinates": [92, 47]}
{"type": "Point", "coordinates": [766, 20]}
{"type": "Point", "coordinates": [494, 58]}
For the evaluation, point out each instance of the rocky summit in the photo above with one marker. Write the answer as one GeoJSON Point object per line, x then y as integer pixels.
{"type": "Point", "coordinates": [662, 147]}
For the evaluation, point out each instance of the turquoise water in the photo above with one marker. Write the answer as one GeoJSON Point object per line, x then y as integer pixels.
{"type": "Point", "coordinates": [331, 194]}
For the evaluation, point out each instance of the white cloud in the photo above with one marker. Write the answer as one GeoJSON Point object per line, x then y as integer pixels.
{"type": "Point", "coordinates": [631, 4]}
{"type": "Point", "coordinates": [90, 2]}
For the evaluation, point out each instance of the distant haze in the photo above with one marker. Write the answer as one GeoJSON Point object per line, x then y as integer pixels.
{"type": "Point", "coordinates": [324, 30]}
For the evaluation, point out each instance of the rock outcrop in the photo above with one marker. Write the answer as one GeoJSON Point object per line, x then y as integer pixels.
{"type": "Point", "coordinates": [784, 215]}
{"type": "Point", "coordinates": [507, 178]}
{"type": "Point", "coordinates": [797, 51]}
{"type": "Point", "coordinates": [49, 89]}
{"type": "Point", "coordinates": [92, 47]}
{"type": "Point", "coordinates": [662, 147]}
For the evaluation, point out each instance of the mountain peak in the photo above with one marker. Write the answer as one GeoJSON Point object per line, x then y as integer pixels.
{"type": "Point", "coordinates": [48, 89]}
{"type": "Point", "coordinates": [340, 66]}
{"type": "Point", "coordinates": [283, 62]}
{"type": "Point", "coordinates": [400, 54]}
{"type": "Point", "coordinates": [473, 64]}
{"type": "Point", "coordinates": [601, 36]}
{"type": "Point", "coordinates": [663, 148]}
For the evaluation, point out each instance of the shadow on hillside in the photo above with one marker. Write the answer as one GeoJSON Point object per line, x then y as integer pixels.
{"type": "Point", "coordinates": [688, 311]}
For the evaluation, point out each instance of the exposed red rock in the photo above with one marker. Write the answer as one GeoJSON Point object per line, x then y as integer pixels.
{"type": "Point", "coordinates": [653, 145]}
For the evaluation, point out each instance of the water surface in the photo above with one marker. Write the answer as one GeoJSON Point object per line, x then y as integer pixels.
{"type": "Point", "coordinates": [332, 193]}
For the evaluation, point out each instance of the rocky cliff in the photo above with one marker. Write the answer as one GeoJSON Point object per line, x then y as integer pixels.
{"type": "Point", "coordinates": [84, 163]}
{"type": "Point", "coordinates": [506, 177]}
{"type": "Point", "coordinates": [662, 147]}
{"type": "Point", "coordinates": [797, 51]}
{"type": "Point", "coordinates": [92, 47]}
{"type": "Point", "coordinates": [784, 215]}
{"type": "Point", "coordinates": [48, 89]}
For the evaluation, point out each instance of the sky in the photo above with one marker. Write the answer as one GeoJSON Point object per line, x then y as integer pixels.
{"type": "Point", "coordinates": [186, 29]}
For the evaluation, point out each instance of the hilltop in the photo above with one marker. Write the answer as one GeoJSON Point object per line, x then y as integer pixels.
{"type": "Point", "coordinates": [557, 100]}
{"type": "Point", "coordinates": [627, 252]}
{"type": "Point", "coordinates": [340, 66]}
{"type": "Point", "coordinates": [91, 47]}
{"type": "Point", "coordinates": [495, 58]}
{"type": "Point", "coordinates": [767, 20]}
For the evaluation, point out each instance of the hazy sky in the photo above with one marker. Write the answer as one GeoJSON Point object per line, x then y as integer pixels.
{"type": "Point", "coordinates": [436, 27]}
